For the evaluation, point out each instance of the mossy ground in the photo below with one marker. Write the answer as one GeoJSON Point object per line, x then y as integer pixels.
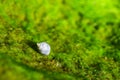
{"type": "Point", "coordinates": [84, 36]}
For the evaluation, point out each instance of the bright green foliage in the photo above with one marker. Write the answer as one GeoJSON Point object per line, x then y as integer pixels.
{"type": "Point", "coordinates": [84, 36]}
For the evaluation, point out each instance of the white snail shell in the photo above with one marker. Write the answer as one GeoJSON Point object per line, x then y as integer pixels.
{"type": "Point", "coordinates": [44, 48]}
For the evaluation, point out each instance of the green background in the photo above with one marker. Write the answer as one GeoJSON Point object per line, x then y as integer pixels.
{"type": "Point", "coordinates": [84, 36]}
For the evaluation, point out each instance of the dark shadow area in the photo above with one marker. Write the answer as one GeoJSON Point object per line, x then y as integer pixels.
{"type": "Point", "coordinates": [114, 39]}
{"type": "Point", "coordinates": [33, 45]}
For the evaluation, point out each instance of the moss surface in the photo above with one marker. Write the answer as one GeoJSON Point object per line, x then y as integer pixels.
{"type": "Point", "coordinates": [84, 36]}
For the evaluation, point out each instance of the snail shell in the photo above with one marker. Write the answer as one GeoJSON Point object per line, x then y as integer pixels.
{"type": "Point", "coordinates": [44, 48]}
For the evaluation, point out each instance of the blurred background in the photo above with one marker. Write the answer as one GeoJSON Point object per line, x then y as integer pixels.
{"type": "Point", "coordinates": [84, 36]}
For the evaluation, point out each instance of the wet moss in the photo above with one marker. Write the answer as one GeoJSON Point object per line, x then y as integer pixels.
{"type": "Point", "coordinates": [84, 38]}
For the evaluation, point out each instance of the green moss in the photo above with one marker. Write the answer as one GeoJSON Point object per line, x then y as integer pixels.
{"type": "Point", "coordinates": [84, 38]}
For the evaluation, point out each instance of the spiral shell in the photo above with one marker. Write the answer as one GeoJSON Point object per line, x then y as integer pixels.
{"type": "Point", "coordinates": [44, 48]}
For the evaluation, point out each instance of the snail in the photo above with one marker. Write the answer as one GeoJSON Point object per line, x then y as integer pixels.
{"type": "Point", "coordinates": [44, 48]}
